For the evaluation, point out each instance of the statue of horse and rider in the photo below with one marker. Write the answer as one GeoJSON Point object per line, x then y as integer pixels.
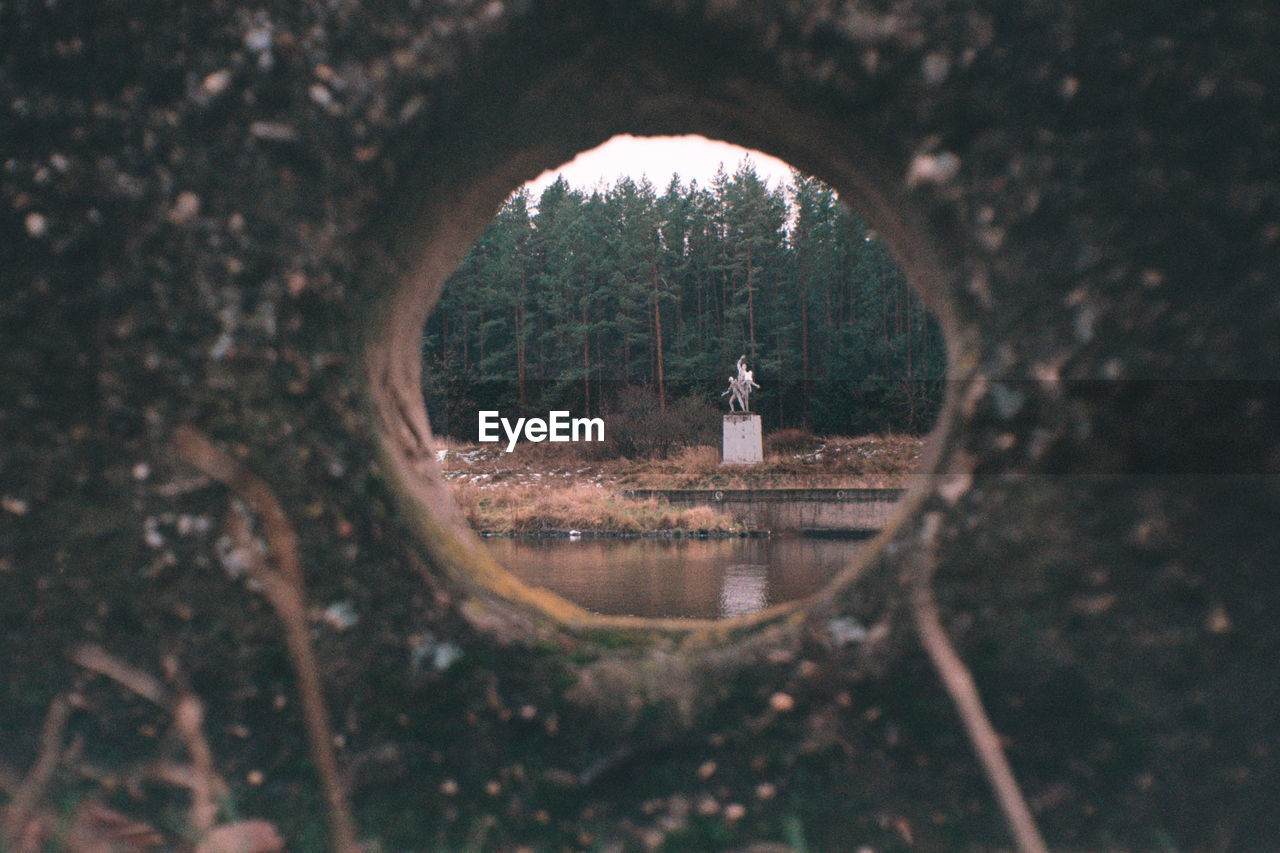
{"type": "Point", "coordinates": [740, 386]}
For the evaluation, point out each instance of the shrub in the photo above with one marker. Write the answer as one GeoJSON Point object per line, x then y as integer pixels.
{"type": "Point", "coordinates": [640, 426]}
{"type": "Point", "coordinates": [790, 440]}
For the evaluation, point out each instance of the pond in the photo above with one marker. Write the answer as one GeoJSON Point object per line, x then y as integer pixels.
{"type": "Point", "coordinates": [682, 578]}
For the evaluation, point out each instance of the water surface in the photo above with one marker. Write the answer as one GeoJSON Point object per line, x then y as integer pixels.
{"type": "Point", "coordinates": [702, 578]}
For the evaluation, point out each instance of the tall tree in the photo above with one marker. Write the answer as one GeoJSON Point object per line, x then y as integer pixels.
{"type": "Point", "coordinates": [561, 302]}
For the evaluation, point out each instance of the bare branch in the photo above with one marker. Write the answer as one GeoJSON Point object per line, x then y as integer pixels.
{"type": "Point", "coordinates": [171, 773]}
{"type": "Point", "coordinates": [206, 785]}
{"type": "Point", "coordinates": [97, 828]}
{"type": "Point", "coordinates": [97, 659]}
{"type": "Point", "coordinates": [32, 786]}
{"type": "Point", "coordinates": [283, 589]}
{"type": "Point", "coordinates": [201, 453]}
{"type": "Point", "coordinates": [964, 693]}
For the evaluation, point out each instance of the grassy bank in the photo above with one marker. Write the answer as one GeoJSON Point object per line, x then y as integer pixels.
{"type": "Point", "coordinates": [528, 509]}
{"type": "Point", "coordinates": [546, 487]}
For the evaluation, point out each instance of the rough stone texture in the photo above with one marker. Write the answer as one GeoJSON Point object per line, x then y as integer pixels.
{"type": "Point", "coordinates": [205, 209]}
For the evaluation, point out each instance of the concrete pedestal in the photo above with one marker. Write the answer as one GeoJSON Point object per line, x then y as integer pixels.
{"type": "Point", "coordinates": [743, 440]}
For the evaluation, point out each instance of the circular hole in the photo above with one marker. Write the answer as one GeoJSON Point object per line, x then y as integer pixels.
{"type": "Point", "coordinates": [455, 210]}
{"type": "Point", "coordinates": [570, 378]}
{"type": "Point", "coordinates": [612, 301]}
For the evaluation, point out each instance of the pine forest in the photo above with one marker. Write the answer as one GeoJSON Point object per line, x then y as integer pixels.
{"type": "Point", "coordinates": [596, 301]}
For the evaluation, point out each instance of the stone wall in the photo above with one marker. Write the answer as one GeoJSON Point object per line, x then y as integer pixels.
{"type": "Point", "coordinates": [237, 216]}
{"type": "Point", "coordinates": [862, 511]}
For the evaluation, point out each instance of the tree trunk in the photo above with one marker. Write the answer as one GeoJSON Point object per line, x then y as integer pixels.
{"type": "Point", "coordinates": [803, 294]}
{"type": "Point", "coordinates": [520, 353]}
{"type": "Point", "coordinates": [657, 328]}
{"type": "Point", "coordinates": [751, 308]}
{"type": "Point", "coordinates": [586, 362]}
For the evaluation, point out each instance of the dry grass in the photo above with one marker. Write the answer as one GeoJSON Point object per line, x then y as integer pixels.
{"type": "Point", "coordinates": [522, 509]}
{"type": "Point", "coordinates": [560, 486]}
{"type": "Point", "coordinates": [865, 462]}
{"type": "Point", "coordinates": [791, 441]}
{"type": "Point", "coordinates": [443, 442]}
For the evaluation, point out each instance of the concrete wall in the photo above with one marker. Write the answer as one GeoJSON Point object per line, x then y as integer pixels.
{"type": "Point", "coordinates": [830, 510]}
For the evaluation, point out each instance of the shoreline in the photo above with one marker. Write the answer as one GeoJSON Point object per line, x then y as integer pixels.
{"type": "Point", "coordinates": [660, 533]}
{"type": "Point", "coordinates": [550, 491]}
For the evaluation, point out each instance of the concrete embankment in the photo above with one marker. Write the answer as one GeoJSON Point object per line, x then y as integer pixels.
{"type": "Point", "coordinates": [853, 511]}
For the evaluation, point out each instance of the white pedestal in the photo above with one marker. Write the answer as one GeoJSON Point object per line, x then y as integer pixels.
{"type": "Point", "coordinates": [743, 440]}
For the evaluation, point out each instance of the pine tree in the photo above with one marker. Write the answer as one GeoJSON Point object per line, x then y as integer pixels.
{"type": "Point", "coordinates": [564, 305]}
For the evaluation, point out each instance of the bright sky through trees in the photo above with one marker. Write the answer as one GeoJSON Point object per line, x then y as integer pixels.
{"type": "Point", "coordinates": [658, 158]}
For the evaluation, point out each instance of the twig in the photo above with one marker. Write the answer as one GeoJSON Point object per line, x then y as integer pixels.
{"type": "Point", "coordinates": [201, 453]}
{"type": "Point", "coordinates": [201, 779]}
{"type": "Point", "coordinates": [960, 685]}
{"type": "Point", "coordinates": [97, 659]}
{"type": "Point", "coordinates": [283, 589]}
{"type": "Point", "coordinates": [171, 773]}
{"type": "Point", "coordinates": [188, 718]}
{"type": "Point", "coordinates": [32, 786]}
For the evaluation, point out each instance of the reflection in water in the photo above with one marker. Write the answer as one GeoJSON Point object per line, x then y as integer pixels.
{"type": "Point", "coordinates": [745, 590]}
{"type": "Point", "coordinates": [702, 578]}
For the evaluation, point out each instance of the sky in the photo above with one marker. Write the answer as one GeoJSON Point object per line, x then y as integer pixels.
{"type": "Point", "coordinates": [658, 158]}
